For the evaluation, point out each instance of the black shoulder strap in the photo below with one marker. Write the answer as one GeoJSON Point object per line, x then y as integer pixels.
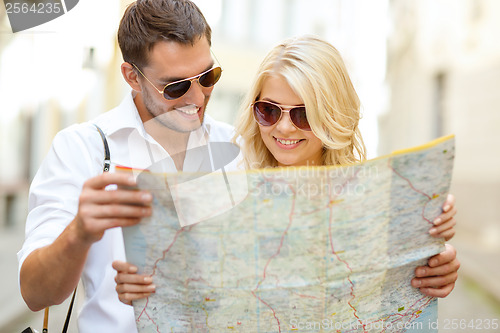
{"type": "Point", "coordinates": [107, 157]}
{"type": "Point", "coordinates": [68, 315]}
{"type": "Point", "coordinates": [107, 164]}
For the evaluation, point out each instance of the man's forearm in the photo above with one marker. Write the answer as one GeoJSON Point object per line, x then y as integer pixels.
{"type": "Point", "coordinates": [49, 274]}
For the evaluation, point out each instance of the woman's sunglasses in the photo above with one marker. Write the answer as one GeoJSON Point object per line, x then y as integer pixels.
{"type": "Point", "coordinates": [179, 88]}
{"type": "Point", "coordinates": [268, 114]}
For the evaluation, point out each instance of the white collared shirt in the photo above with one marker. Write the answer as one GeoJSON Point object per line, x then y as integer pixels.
{"type": "Point", "coordinates": [76, 155]}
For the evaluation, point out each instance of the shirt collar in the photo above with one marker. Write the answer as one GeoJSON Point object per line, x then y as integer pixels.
{"type": "Point", "coordinates": [127, 117]}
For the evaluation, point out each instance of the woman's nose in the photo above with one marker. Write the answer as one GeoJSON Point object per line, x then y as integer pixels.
{"type": "Point", "coordinates": [285, 123]}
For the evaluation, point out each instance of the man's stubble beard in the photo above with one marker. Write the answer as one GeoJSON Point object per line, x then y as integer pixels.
{"type": "Point", "coordinates": [165, 118]}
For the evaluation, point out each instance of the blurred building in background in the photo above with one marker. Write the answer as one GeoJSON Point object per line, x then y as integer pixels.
{"type": "Point", "coordinates": [68, 70]}
{"type": "Point", "coordinates": [50, 78]}
{"type": "Point", "coordinates": [443, 75]}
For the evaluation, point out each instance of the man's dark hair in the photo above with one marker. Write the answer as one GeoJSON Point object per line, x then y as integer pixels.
{"type": "Point", "coordinates": [146, 22]}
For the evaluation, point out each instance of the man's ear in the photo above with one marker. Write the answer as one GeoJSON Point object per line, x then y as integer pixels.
{"type": "Point", "coordinates": [130, 75]}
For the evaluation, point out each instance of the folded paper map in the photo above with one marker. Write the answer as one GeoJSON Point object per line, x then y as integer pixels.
{"type": "Point", "coordinates": [308, 249]}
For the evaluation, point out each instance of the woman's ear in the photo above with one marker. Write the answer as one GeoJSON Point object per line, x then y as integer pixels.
{"type": "Point", "coordinates": [130, 75]}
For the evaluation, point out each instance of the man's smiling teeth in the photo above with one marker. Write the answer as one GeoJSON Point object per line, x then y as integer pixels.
{"type": "Point", "coordinates": [188, 109]}
{"type": "Point", "coordinates": [287, 142]}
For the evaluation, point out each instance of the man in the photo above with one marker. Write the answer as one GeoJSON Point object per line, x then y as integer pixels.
{"type": "Point", "coordinates": [71, 227]}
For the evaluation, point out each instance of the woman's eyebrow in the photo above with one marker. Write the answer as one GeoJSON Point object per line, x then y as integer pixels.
{"type": "Point", "coordinates": [272, 101]}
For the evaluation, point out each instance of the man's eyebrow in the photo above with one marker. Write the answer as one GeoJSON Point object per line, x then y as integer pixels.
{"type": "Point", "coordinates": [170, 79]}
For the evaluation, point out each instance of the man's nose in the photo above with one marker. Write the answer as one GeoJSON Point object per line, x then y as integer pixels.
{"type": "Point", "coordinates": [196, 93]}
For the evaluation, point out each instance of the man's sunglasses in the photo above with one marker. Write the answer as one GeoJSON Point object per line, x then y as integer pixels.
{"type": "Point", "coordinates": [268, 114]}
{"type": "Point", "coordinates": [179, 88]}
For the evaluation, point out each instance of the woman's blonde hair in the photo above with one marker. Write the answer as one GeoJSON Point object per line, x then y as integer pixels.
{"type": "Point", "coordinates": [315, 71]}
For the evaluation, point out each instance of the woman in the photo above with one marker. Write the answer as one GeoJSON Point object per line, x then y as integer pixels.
{"type": "Point", "coordinates": [303, 110]}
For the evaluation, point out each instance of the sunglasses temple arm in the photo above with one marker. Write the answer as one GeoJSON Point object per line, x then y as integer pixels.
{"type": "Point", "coordinates": [217, 60]}
{"type": "Point", "coordinates": [144, 76]}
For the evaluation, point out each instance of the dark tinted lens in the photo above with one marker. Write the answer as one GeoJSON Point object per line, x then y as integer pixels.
{"type": "Point", "coordinates": [211, 77]}
{"type": "Point", "coordinates": [299, 118]}
{"type": "Point", "coordinates": [266, 114]}
{"type": "Point", "coordinates": [176, 90]}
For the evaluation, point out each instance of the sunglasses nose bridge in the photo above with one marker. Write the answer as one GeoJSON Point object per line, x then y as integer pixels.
{"type": "Point", "coordinates": [196, 78]}
{"type": "Point", "coordinates": [285, 123]}
{"type": "Point", "coordinates": [195, 92]}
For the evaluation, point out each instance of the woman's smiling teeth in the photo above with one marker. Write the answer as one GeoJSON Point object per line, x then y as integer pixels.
{"type": "Point", "coordinates": [287, 141]}
{"type": "Point", "coordinates": [189, 109]}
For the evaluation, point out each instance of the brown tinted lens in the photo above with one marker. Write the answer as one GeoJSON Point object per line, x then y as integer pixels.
{"type": "Point", "coordinates": [266, 114]}
{"type": "Point", "coordinates": [176, 90]}
{"type": "Point", "coordinates": [211, 77]}
{"type": "Point", "coordinates": [299, 118]}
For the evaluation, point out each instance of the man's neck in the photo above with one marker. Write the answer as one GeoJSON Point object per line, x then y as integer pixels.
{"type": "Point", "coordinates": [174, 142]}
